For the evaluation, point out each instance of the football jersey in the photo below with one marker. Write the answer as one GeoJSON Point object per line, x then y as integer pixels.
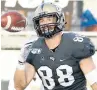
{"type": "Point", "coordinates": [60, 70]}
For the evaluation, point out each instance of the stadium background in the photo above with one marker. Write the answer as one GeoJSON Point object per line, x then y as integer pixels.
{"type": "Point", "coordinates": [12, 42]}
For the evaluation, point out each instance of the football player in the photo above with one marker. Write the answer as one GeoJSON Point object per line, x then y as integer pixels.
{"type": "Point", "coordinates": [62, 60]}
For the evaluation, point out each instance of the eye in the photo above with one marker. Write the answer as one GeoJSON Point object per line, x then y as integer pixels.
{"type": "Point", "coordinates": [41, 20]}
{"type": "Point", "coordinates": [50, 18]}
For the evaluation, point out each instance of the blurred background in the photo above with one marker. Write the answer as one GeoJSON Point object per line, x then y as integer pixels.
{"type": "Point", "coordinates": [80, 15]}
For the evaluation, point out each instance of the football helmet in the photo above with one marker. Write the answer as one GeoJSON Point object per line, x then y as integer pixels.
{"type": "Point", "coordinates": [47, 10]}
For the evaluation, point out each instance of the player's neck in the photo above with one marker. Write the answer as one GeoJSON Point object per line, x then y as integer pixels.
{"type": "Point", "coordinates": [54, 41]}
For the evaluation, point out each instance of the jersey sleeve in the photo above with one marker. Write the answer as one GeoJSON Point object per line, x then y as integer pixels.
{"type": "Point", "coordinates": [83, 48]}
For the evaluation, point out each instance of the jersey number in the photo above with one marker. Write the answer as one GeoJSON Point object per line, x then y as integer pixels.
{"type": "Point", "coordinates": [78, 38]}
{"type": "Point", "coordinates": [46, 74]}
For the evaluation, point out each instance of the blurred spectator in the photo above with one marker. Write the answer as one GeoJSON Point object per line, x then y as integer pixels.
{"type": "Point", "coordinates": [88, 21]}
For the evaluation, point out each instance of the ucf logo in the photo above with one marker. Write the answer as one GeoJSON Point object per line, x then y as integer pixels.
{"type": "Point", "coordinates": [36, 50]}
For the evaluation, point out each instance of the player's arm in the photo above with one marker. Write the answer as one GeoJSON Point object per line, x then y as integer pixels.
{"type": "Point", "coordinates": [23, 75]}
{"type": "Point", "coordinates": [83, 50]}
{"type": "Point", "coordinates": [25, 71]}
{"type": "Point", "coordinates": [89, 69]}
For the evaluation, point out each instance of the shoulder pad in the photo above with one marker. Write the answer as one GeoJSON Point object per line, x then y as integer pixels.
{"type": "Point", "coordinates": [83, 47]}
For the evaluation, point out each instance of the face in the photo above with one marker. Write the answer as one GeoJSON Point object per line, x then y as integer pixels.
{"type": "Point", "coordinates": [47, 23]}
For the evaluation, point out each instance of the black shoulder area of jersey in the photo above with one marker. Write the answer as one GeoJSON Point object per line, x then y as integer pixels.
{"type": "Point", "coordinates": [81, 46]}
{"type": "Point", "coordinates": [33, 43]}
{"type": "Point", "coordinates": [38, 43]}
{"type": "Point", "coordinates": [30, 46]}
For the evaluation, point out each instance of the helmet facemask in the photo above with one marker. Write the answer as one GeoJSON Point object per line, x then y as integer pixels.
{"type": "Point", "coordinates": [49, 29]}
